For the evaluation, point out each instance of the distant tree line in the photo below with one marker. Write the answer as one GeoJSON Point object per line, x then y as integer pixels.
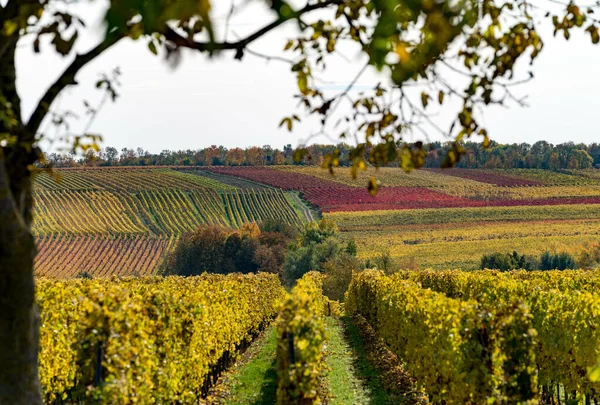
{"type": "Point", "coordinates": [540, 155]}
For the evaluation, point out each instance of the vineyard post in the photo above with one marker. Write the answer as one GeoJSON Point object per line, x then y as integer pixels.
{"type": "Point", "coordinates": [98, 365]}
{"type": "Point", "coordinates": [292, 353]}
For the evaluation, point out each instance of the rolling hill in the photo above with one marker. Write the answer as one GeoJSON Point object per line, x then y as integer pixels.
{"type": "Point", "coordinates": [118, 221]}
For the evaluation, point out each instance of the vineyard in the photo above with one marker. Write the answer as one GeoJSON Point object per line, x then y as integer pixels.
{"type": "Point", "coordinates": [100, 256]}
{"type": "Point", "coordinates": [446, 337]}
{"type": "Point", "coordinates": [104, 222]}
{"type": "Point", "coordinates": [448, 218]}
{"type": "Point", "coordinates": [468, 337]}
{"type": "Point", "coordinates": [426, 218]}
{"type": "Point", "coordinates": [433, 336]}
{"type": "Point", "coordinates": [150, 340]}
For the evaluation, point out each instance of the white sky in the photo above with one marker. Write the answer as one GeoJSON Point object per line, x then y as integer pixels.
{"type": "Point", "coordinates": [226, 102]}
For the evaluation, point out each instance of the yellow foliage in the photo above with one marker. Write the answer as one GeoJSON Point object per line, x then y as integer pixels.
{"type": "Point", "coordinates": [460, 352]}
{"type": "Point", "coordinates": [301, 329]}
{"type": "Point", "coordinates": [158, 337]}
{"type": "Point", "coordinates": [564, 306]}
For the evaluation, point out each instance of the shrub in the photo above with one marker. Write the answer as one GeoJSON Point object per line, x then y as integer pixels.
{"type": "Point", "coordinates": [506, 261]}
{"type": "Point", "coordinates": [318, 232]}
{"type": "Point", "coordinates": [202, 250]}
{"type": "Point", "coordinates": [300, 260]}
{"type": "Point", "coordinates": [590, 257]}
{"type": "Point", "coordinates": [338, 274]}
{"type": "Point", "coordinates": [384, 262]}
{"type": "Point", "coordinates": [352, 247]}
{"type": "Point", "coordinates": [557, 261]}
{"type": "Point", "coordinates": [273, 225]}
{"type": "Point", "coordinates": [219, 250]}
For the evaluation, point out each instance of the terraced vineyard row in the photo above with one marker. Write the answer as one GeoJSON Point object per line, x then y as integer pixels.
{"type": "Point", "coordinates": [257, 206]}
{"type": "Point", "coordinates": [99, 256]}
{"type": "Point", "coordinates": [154, 212]}
{"type": "Point", "coordinates": [105, 222]}
{"type": "Point", "coordinates": [125, 179]}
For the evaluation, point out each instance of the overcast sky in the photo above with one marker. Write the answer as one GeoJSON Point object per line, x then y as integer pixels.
{"type": "Point", "coordinates": [226, 102]}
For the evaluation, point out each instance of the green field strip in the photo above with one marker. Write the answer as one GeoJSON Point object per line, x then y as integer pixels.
{"type": "Point", "coordinates": [253, 380]}
{"type": "Point", "coordinates": [199, 178]}
{"type": "Point", "coordinates": [342, 379]}
{"type": "Point", "coordinates": [451, 215]}
{"type": "Point", "coordinates": [548, 177]}
{"type": "Point", "coordinates": [467, 254]}
{"type": "Point", "coordinates": [237, 182]}
{"type": "Point", "coordinates": [303, 212]}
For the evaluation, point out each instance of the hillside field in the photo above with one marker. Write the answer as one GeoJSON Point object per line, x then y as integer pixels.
{"type": "Point", "coordinates": [119, 221]}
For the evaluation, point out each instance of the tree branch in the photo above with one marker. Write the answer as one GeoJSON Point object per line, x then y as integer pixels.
{"type": "Point", "coordinates": [181, 41]}
{"type": "Point", "coordinates": [66, 78]}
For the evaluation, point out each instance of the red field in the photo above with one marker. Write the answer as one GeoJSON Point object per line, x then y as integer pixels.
{"type": "Point", "coordinates": [331, 196]}
{"type": "Point", "coordinates": [276, 178]}
{"type": "Point", "coordinates": [359, 199]}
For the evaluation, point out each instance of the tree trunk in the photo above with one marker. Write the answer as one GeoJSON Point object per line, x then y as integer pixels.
{"type": "Point", "coordinates": [19, 319]}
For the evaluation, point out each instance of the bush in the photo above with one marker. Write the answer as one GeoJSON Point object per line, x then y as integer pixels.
{"type": "Point", "coordinates": [272, 225]}
{"type": "Point", "coordinates": [506, 261]}
{"type": "Point", "coordinates": [219, 250]}
{"type": "Point", "coordinates": [557, 261]}
{"type": "Point", "coordinates": [202, 250]}
{"type": "Point", "coordinates": [352, 248]}
{"type": "Point", "coordinates": [302, 259]}
{"type": "Point", "coordinates": [338, 274]}
{"type": "Point", "coordinates": [589, 257]}
{"type": "Point", "coordinates": [318, 232]}
{"type": "Point", "coordinates": [384, 262]}
{"type": "Point", "coordinates": [515, 261]}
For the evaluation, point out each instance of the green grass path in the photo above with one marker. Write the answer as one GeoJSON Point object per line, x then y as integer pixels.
{"type": "Point", "coordinates": [351, 378]}
{"type": "Point", "coordinates": [255, 381]}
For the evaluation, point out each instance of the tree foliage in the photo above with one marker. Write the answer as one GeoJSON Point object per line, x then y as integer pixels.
{"type": "Point", "coordinates": [547, 261]}
{"type": "Point", "coordinates": [557, 261]}
{"type": "Point", "coordinates": [218, 250]}
{"type": "Point", "coordinates": [540, 155]}
{"type": "Point", "coordinates": [506, 261]}
{"type": "Point", "coordinates": [318, 232]}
